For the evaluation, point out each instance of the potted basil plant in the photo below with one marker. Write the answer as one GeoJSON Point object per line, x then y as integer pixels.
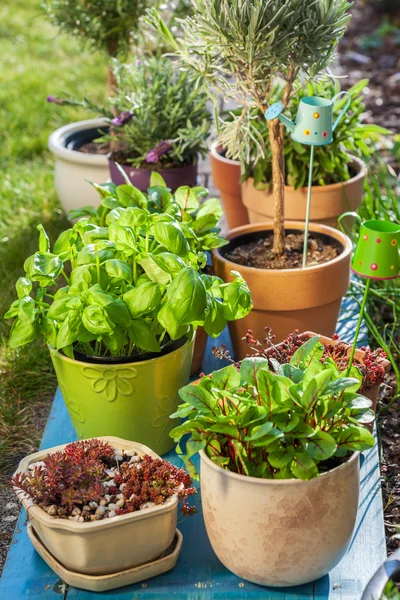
{"type": "Point", "coordinates": [118, 299]}
{"type": "Point", "coordinates": [279, 460]}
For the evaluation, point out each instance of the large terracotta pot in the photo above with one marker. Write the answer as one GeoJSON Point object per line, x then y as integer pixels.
{"type": "Point", "coordinates": [140, 178]}
{"type": "Point", "coordinates": [108, 545]}
{"type": "Point", "coordinates": [131, 400]}
{"type": "Point", "coordinates": [286, 299]}
{"type": "Point", "coordinates": [73, 169]}
{"type": "Point", "coordinates": [280, 532]}
{"type": "Point", "coordinates": [328, 202]}
{"type": "Point", "coordinates": [226, 175]}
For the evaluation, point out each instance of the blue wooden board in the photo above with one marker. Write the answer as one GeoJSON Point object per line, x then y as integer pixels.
{"type": "Point", "coordinates": [198, 574]}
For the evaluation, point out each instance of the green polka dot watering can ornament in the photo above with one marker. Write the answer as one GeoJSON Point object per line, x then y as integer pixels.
{"type": "Point", "coordinates": [314, 126]}
{"type": "Point", "coordinates": [376, 256]}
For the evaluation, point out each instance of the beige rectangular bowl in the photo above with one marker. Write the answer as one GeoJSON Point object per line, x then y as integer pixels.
{"type": "Point", "coordinates": [106, 546]}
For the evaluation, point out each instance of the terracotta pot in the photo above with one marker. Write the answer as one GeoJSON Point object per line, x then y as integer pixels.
{"type": "Point", "coordinates": [200, 344]}
{"type": "Point", "coordinates": [287, 299]}
{"type": "Point", "coordinates": [280, 532]}
{"type": "Point", "coordinates": [140, 178]}
{"type": "Point", "coordinates": [328, 202]}
{"type": "Point", "coordinates": [106, 546]}
{"type": "Point", "coordinates": [372, 392]}
{"type": "Point", "coordinates": [73, 169]}
{"type": "Point", "coordinates": [226, 175]}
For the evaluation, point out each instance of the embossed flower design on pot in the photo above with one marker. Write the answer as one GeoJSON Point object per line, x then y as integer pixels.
{"type": "Point", "coordinates": [110, 382]}
{"type": "Point", "coordinates": [166, 407]}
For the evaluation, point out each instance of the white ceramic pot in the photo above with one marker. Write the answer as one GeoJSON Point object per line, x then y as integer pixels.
{"type": "Point", "coordinates": [280, 532]}
{"type": "Point", "coordinates": [73, 169]}
{"type": "Point", "coordinates": [110, 545]}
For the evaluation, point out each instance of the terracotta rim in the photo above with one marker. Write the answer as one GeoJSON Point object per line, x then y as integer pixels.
{"type": "Point", "coordinates": [314, 227]}
{"type": "Point", "coordinates": [215, 146]}
{"type": "Point", "coordinates": [74, 526]}
{"type": "Point", "coordinates": [261, 481]}
{"type": "Point", "coordinates": [122, 365]}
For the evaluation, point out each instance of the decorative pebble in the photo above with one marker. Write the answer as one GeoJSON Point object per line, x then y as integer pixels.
{"type": "Point", "coordinates": [110, 483]}
{"type": "Point", "coordinates": [93, 505]}
{"type": "Point", "coordinates": [80, 519]}
{"type": "Point", "coordinates": [110, 473]}
{"type": "Point", "coordinates": [130, 452]}
{"type": "Point", "coordinates": [107, 498]}
{"type": "Point", "coordinates": [103, 502]}
{"type": "Point", "coordinates": [76, 511]}
{"type": "Point", "coordinates": [120, 503]}
{"type": "Point", "coordinates": [118, 457]}
{"type": "Point", "coordinates": [53, 510]}
{"type": "Point", "coordinates": [119, 496]}
{"type": "Point", "coordinates": [86, 507]}
{"type": "Point", "coordinates": [100, 511]}
{"type": "Point", "coordinates": [121, 487]}
{"type": "Point", "coordinates": [132, 498]}
{"type": "Point", "coordinates": [95, 517]}
{"type": "Point", "coordinates": [118, 451]}
{"type": "Point", "coordinates": [147, 505]}
{"type": "Point", "coordinates": [39, 463]}
{"type": "Point", "coordinates": [135, 459]}
{"type": "Point", "coordinates": [111, 513]}
{"type": "Point", "coordinates": [112, 506]}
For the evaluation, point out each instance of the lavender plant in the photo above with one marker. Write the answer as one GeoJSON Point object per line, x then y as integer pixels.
{"type": "Point", "coordinates": [296, 421]}
{"type": "Point", "coordinates": [158, 114]}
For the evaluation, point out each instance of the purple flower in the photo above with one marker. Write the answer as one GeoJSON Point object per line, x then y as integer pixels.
{"type": "Point", "coordinates": [122, 119]}
{"type": "Point", "coordinates": [55, 100]}
{"type": "Point", "coordinates": [154, 155]}
{"type": "Point", "coordinates": [138, 62]}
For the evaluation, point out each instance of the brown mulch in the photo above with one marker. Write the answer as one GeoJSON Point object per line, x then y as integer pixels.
{"type": "Point", "coordinates": [259, 254]}
{"type": "Point", "coordinates": [389, 432]}
{"type": "Point", "coordinates": [93, 148]}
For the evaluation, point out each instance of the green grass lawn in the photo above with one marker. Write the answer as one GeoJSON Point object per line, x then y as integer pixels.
{"type": "Point", "coordinates": [35, 62]}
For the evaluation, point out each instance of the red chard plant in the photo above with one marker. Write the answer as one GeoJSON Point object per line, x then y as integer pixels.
{"type": "Point", "coordinates": [294, 420]}
{"type": "Point", "coordinates": [370, 364]}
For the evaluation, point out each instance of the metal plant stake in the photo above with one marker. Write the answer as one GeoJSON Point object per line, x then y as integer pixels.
{"type": "Point", "coordinates": [376, 256]}
{"type": "Point", "coordinates": [314, 126]}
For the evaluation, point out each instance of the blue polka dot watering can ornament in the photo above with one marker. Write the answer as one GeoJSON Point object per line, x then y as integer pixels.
{"type": "Point", "coordinates": [314, 126]}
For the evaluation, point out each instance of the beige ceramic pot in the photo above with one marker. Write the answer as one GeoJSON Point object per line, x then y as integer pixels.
{"type": "Point", "coordinates": [226, 176]}
{"type": "Point", "coordinates": [107, 546]}
{"type": "Point", "coordinates": [328, 202]}
{"type": "Point", "coordinates": [306, 299]}
{"type": "Point", "coordinates": [280, 532]}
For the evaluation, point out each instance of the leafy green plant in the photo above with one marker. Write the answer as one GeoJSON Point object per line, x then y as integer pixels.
{"type": "Point", "coordinates": [331, 162]}
{"type": "Point", "coordinates": [103, 25]}
{"type": "Point", "coordinates": [162, 118]}
{"type": "Point", "coordinates": [129, 275]}
{"type": "Point", "coordinates": [242, 48]}
{"type": "Point", "coordinates": [296, 422]}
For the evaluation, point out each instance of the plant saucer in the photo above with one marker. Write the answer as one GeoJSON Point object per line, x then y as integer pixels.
{"type": "Point", "coordinates": [101, 583]}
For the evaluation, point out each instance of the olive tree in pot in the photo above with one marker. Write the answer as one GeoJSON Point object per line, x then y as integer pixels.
{"type": "Point", "coordinates": [339, 167]}
{"type": "Point", "coordinates": [130, 293]}
{"type": "Point", "coordinates": [242, 49]}
{"type": "Point", "coordinates": [103, 26]}
{"type": "Point", "coordinates": [279, 468]}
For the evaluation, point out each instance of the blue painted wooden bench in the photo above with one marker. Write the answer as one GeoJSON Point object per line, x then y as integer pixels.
{"type": "Point", "coordinates": [198, 574]}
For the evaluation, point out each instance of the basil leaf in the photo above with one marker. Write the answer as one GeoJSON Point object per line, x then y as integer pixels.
{"type": "Point", "coordinates": [187, 296]}
{"type": "Point", "coordinates": [144, 299]}
{"type": "Point", "coordinates": [141, 335]}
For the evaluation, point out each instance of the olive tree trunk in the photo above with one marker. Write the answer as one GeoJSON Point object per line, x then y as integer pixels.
{"type": "Point", "coordinates": [275, 131]}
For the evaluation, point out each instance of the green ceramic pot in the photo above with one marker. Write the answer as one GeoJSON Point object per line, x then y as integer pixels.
{"type": "Point", "coordinates": [131, 400]}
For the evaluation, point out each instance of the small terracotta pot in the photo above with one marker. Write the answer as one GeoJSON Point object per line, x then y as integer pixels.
{"type": "Point", "coordinates": [200, 344]}
{"type": "Point", "coordinates": [109, 545]}
{"type": "Point", "coordinates": [280, 532]}
{"type": "Point", "coordinates": [140, 178]}
{"type": "Point", "coordinates": [372, 392]}
{"type": "Point", "coordinates": [287, 299]}
{"type": "Point", "coordinates": [226, 176]}
{"type": "Point", "coordinates": [328, 202]}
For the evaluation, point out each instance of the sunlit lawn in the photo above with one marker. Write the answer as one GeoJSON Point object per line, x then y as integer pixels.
{"type": "Point", "coordinates": [35, 61]}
